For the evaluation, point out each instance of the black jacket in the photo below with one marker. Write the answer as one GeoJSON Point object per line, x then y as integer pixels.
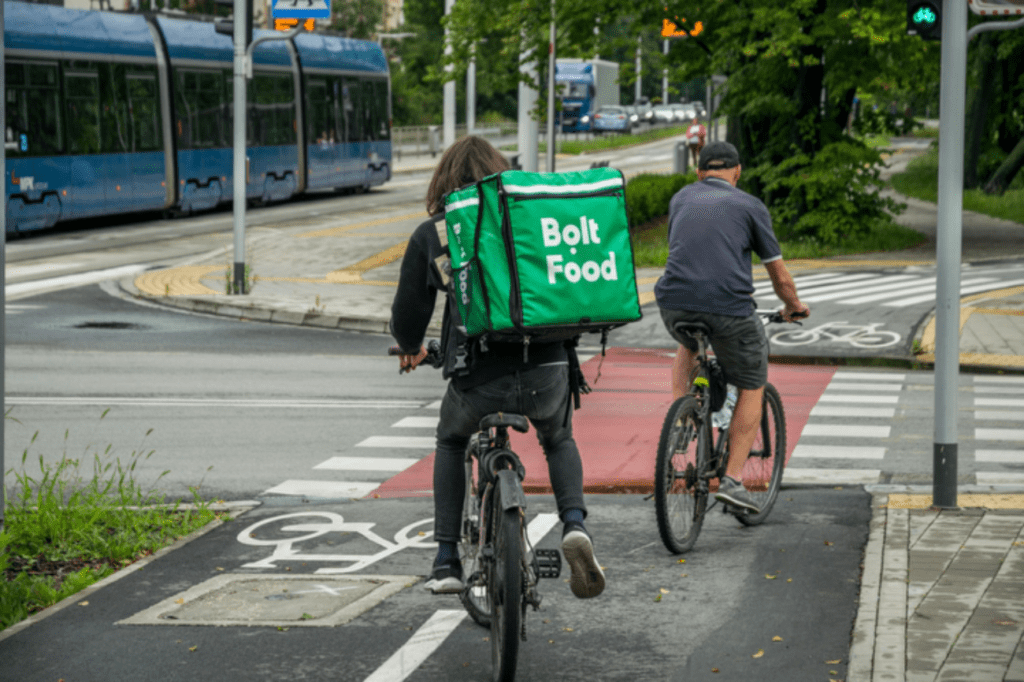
{"type": "Point", "coordinates": [418, 285]}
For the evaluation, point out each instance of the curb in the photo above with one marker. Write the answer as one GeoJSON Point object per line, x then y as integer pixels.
{"type": "Point", "coordinates": [239, 507]}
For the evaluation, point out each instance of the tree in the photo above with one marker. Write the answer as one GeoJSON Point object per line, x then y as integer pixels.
{"type": "Point", "coordinates": [357, 18]}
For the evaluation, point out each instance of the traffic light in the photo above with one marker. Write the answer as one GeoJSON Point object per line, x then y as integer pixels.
{"type": "Point", "coordinates": [227, 26]}
{"type": "Point", "coordinates": [924, 18]}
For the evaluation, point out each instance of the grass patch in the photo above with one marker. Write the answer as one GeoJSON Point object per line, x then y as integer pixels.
{"type": "Point", "coordinates": [606, 141]}
{"type": "Point", "coordinates": [650, 243]}
{"type": "Point", "coordinates": [79, 520]}
{"type": "Point", "coordinates": [921, 180]}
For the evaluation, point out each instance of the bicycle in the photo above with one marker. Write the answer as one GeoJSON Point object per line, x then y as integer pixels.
{"type": "Point", "coordinates": [502, 567]}
{"type": "Point", "coordinates": [690, 458]}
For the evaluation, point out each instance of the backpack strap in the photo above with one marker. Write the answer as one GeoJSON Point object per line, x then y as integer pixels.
{"type": "Point", "coordinates": [443, 263]}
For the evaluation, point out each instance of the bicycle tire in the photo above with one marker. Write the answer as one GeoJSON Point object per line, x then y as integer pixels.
{"type": "Point", "coordinates": [506, 589]}
{"type": "Point", "coordinates": [680, 492]}
{"type": "Point", "coordinates": [475, 596]}
{"type": "Point", "coordinates": [762, 474]}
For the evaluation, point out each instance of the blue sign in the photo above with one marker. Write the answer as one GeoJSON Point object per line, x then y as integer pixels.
{"type": "Point", "coordinates": [24, 142]}
{"type": "Point", "coordinates": [300, 9]}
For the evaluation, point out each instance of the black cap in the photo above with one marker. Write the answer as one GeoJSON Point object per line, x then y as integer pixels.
{"type": "Point", "coordinates": [718, 155]}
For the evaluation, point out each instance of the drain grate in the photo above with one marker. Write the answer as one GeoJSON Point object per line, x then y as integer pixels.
{"type": "Point", "coordinates": [109, 325]}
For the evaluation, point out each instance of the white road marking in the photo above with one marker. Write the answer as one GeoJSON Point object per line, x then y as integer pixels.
{"type": "Point", "coordinates": [802, 450]}
{"type": "Point", "coordinates": [71, 281]}
{"type": "Point", "coordinates": [830, 293]}
{"type": "Point", "coordinates": [869, 376]}
{"type": "Point", "coordinates": [999, 402]}
{"type": "Point", "coordinates": [142, 401]}
{"type": "Point", "coordinates": [1013, 390]}
{"type": "Point", "coordinates": [846, 431]}
{"type": "Point", "coordinates": [964, 290]}
{"type": "Point", "coordinates": [831, 476]}
{"type": "Point", "coordinates": [540, 526]}
{"type": "Point", "coordinates": [417, 442]}
{"type": "Point", "coordinates": [436, 405]}
{"type": "Point", "coordinates": [999, 434]}
{"type": "Point", "coordinates": [826, 397]}
{"type": "Point", "coordinates": [999, 478]}
{"type": "Point", "coordinates": [424, 642]}
{"type": "Point", "coordinates": [328, 489]}
{"type": "Point", "coordinates": [847, 411]}
{"type": "Point", "coordinates": [16, 271]}
{"type": "Point", "coordinates": [862, 386]}
{"type": "Point", "coordinates": [998, 415]}
{"type": "Point", "coordinates": [366, 464]}
{"type": "Point", "coordinates": [927, 289]}
{"type": "Point", "coordinates": [1006, 456]}
{"type": "Point", "coordinates": [416, 423]}
{"type": "Point", "coordinates": [999, 380]}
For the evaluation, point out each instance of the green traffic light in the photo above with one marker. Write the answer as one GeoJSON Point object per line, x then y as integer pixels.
{"type": "Point", "coordinates": [925, 15]}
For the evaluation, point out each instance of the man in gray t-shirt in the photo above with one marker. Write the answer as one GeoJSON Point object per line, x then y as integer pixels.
{"type": "Point", "coordinates": [712, 230]}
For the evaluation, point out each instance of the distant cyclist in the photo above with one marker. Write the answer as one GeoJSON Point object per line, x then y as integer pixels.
{"type": "Point", "coordinates": [713, 229]}
{"type": "Point", "coordinates": [483, 380]}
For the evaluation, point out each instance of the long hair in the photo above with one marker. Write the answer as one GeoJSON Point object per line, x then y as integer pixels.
{"type": "Point", "coordinates": [468, 160]}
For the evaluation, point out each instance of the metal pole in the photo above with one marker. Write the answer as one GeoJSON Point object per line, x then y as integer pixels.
{"type": "Point", "coordinates": [241, 179]}
{"type": "Point", "coordinates": [528, 128]}
{"type": "Point", "coordinates": [3, 282]}
{"type": "Point", "coordinates": [471, 93]}
{"type": "Point", "coordinates": [551, 94]}
{"type": "Point", "coordinates": [639, 82]}
{"type": "Point", "coordinates": [947, 247]}
{"type": "Point", "coordinates": [664, 76]}
{"type": "Point", "coordinates": [449, 85]}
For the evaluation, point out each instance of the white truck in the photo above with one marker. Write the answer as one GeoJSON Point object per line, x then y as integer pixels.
{"type": "Point", "coordinates": [583, 86]}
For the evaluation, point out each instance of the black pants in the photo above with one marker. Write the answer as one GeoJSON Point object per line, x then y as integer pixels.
{"type": "Point", "coordinates": [542, 394]}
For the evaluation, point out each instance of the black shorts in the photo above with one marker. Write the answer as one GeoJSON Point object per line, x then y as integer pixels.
{"type": "Point", "coordinates": [739, 343]}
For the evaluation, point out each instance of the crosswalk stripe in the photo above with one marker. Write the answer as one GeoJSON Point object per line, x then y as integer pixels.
{"type": "Point", "coordinates": [872, 376]}
{"type": "Point", "coordinates": [998, 478]}
{"type": "Point", "coordinates": [803, 450]}
{"type": "Point", "coordinates": [979, 285]}
{"type": "Point", "coordinates": [436, 405]}
{"type": "Point", "coordinates": [366, 464]}
{"type": "Point", "coordinates": [999, 434]}
{"type": "Point", "coordinates": [846, 431]}
{"type": "Point", "coordinates": [423, 642]}
{"type": "Point", "coordinates": [1006, 456]}
{"type": "Point", "coordinates": [416, 423]}
{"type": "Point", "coordinates": [896, 282]}
{"type": "Point", "coordinates": [999, 402]}
{"type": "Point", "coordinates": [997, 415]}
{"type": "Point", "coordinates": [920, 288]}
{"type": "Point", "coordinates": [417, 442]}
{"type": "Point", "coordinates": [999, 380]}
{"type": "Point", "coordinates": [832, 476]}
{"type": "Point", "coordinates": [848, 411]}
{"type": "Point", "coordinates": [826, 397]}
{"type": "Point", "coordinates": [323, 489]}
{"type": "Point", "coordinates": [806, 286]}
{"type": "Point", "coordinates": [999, 389]}
{"type": "Point", "coordinates": [862, 386]}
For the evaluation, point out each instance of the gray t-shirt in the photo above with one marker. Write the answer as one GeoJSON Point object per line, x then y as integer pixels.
{"type": "Point", "coordinates": [713, 227]}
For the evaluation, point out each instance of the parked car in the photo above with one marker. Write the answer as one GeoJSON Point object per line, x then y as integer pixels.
{"type": "Point", "coordinates": [633, 112]}
{"type": "Point", "coordinates": [702, 111]}
{"type": "Point", "coordinates": [611, 118]}
{"type": "Point", "coordinates": [645, 111]}
{"type": "Point", "coordinates": [664, 113]}
{"type": "Point", "coordinates": [684, 112]}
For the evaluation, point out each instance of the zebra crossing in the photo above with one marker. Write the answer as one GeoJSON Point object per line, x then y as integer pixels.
{"type": "Point", "coordinates": [876, 427]}
{"type": "Point", "coordinates": [890, 290]}
{"type": "Point", "coordinates": [386, 456]}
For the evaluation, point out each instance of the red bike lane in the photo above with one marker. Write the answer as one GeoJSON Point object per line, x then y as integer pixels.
{"type": "Point", "coordinates": [619, 423]}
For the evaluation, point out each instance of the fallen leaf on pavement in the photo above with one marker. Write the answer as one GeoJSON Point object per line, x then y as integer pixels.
{"type": "Point", "coordinates": [714, 670]}
{"type": "Point", "coordinates": [769, 576]}
{"type": "Point", "coordinates": [83, 603]}
{"type": "Point", "coordinates": [776, 638]}
{"type": "Point", "coordinates": [657, 598]}
{"type": "Point", "coordinates": [193, 648]}
{"type": "Point", "coordinates": [759, 654]}
{"type": "Point", "coordinates": [835, 662]}
{"type": "Point", "coordinates": [664, 591]}
{"type": "Point", "coordinates": [179, 601]}
{"type": "Point", "coordinates": [681, 561]}
{"type": "Point", "coordinates": [829, 544]}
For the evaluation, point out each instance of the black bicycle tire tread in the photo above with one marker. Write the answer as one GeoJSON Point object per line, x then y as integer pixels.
{"type": "Point", "coordinates": [507, 533]}
{"type": "Point", "coordinates": [771, 396]}
{"type": "Point", "coordinates": [663, 461]}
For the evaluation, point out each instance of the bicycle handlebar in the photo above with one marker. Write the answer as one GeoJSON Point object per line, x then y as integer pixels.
{"type": "Point", "coordinates": [434, 358]}
{"type": "Point", "coordinates": [774, 316]}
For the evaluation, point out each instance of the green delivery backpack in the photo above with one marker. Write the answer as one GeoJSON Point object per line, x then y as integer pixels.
{"type": "Point", "coordinates": [542, 256]}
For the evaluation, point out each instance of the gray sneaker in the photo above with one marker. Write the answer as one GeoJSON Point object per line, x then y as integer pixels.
{"type": "Point", "coordinates": [587, 579]}
{"type": "Point", "coordinates": [732, 492]}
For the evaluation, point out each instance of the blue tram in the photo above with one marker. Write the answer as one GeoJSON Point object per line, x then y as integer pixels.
{"type": "Point", "coordinates": [115, 113]}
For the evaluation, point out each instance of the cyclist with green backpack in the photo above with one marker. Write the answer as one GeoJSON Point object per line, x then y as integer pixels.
{"type": "Point", "coordinates": [486, 378]}
{"type": "Point", "coordinates": [713, 229]}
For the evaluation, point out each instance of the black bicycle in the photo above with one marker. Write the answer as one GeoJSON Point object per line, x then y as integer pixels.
{"type": "Point", "coordinates": [502, 568]}
{"type": "Point", "coordinates": [691, 460]}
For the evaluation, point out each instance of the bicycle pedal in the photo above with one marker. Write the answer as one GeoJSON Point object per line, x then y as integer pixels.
{"type": "Point", "coordinates": [549, 563]}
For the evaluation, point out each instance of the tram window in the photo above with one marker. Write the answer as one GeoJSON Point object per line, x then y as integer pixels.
{"type": "Point", "coordinates": [114, 108]}
{"type": "Point", "coordinates": [82, 90]}
{"type": "Point", "coordinates": [144, 107]}
{"type": "Point", "coordinates": [33, 125]}
{"type": "Point", "coordinates": [353, 108]}
{"type": "Point", "coordinates": [272, 109]}
{"type": "Point", "coordinates": [319, 113]}
{"type": "Point", "coordinates": [203, 115]}
{"type": "Point", "coordinates": [383, 110]}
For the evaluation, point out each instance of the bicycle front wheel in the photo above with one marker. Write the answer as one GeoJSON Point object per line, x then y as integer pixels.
{"type": "Point", "coordinates": [506, 589]}
{"type": "Point", "coordinates": [762, 474]}
{"type": "Point", "coordinates": [680, 494]}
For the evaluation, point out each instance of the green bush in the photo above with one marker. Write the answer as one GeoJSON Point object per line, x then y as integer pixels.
{"type": "Point", "coordinates": [648, 195]}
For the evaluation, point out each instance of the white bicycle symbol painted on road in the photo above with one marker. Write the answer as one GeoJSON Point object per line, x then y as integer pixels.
{"type": "Point", "coordinates": [321, 523]}
{"type": "Point", "coordinates": [857, 335]}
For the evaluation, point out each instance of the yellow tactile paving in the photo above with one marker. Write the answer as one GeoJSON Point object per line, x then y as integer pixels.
{"type": "Point", "coordinates": [180, 281]}
{"type": "Point", "coordinates": [338, 231]}
{"type": "Point", "coordinates": [966, 501]}
{"type": "Point", "coordinates": [353, 274]}
{"type": "Point", "coordinates": [975, 359]}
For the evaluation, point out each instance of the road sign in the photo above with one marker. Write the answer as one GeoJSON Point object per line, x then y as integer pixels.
{"type": "Point", "coordinates": [997, 7]}
{"type": "Point", "coordinates": [669, 29]}
{"type": "Point", "coordinates": [300, 9]}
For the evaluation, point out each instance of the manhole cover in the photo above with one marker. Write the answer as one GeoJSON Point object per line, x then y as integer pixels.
{"type": "Point", "coordinates": [274, 601]}
{"type": "Point", "coordinates": [109, 325]}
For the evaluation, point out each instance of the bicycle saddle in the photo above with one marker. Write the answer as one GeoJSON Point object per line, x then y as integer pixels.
{"type": "Point", "coordinates": [516, 421]}
{"type": "Point", "coordinates": [691, 328]}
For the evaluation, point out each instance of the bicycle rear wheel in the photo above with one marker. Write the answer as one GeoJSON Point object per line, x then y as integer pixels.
{"type": "Point", "coordinates": [680, 494]}
{"type": "Point", "coordinates": [762, 474]}
{"type": "Point", "coordinates": [506, 589]}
